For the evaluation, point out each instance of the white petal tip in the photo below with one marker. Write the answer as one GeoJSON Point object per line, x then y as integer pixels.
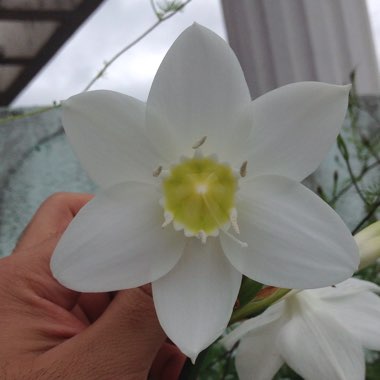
{"type": "Point", "coordinates": [193, 357]}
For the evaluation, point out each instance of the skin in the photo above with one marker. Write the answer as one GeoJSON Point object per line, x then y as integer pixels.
{"type": "Point", "coordinates": [48, 332]}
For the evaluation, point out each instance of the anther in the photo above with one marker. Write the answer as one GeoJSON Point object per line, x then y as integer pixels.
{"type": "Point", "coordinates": [233, 220]}
{"type": "Point", "coordinates": [243, 169]}
{"type": "Point", "coordinates": [169, 217]}
{"type": "Point", "coordinates": [198, 154]}
{"type": "Point", "coordinates": [199, 142]}
{"type": "Point", "coordinates": [157, 171]}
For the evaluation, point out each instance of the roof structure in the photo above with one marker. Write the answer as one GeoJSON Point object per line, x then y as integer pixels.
{"type": "Point", "coordinates": [31, 32]}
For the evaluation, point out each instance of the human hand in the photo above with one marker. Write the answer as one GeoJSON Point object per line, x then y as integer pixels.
{"type": "Point", "coordinates": [48, 332]}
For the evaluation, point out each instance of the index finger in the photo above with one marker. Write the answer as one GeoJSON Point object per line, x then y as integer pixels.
{"type": "Point", "coordinates": [31, 257]}
{"type": "Point", "coordinates": [51, 220]}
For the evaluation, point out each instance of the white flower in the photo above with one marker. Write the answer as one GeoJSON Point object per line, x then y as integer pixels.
{"type": "Point", "coordinates": [221, 165]}
{"type": "Point", "coordinates": [320, 333]}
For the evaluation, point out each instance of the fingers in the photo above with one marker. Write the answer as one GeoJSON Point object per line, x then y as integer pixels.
{"type": "Point", "coordinates": [168, 363]}
{"type": "Point", "coordinates": [31, 257]}
{"type": "Point", "coordinates": [50, 220]}
{"type": "Point", "coordinates": [93, 304]}
{"type": "Point", "coordinates": [122, 343]}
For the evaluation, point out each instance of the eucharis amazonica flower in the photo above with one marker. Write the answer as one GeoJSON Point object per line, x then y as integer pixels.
{"type": "Point", "coordinates": [320, 333]}
{"type": "Point", "coordinates": [199, 185]}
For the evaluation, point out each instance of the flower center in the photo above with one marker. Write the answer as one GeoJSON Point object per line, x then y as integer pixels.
{"type": "Point", "coordinates": [199, 196]}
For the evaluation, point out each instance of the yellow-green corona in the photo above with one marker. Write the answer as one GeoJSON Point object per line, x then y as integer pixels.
{"type": "Point", "coordinates": [199, 195]}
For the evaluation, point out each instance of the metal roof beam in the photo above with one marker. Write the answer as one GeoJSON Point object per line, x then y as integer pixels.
{"type": "Point", "coordinates": [15, 60]}
{"type": "Point", "coordinates": [56, 40]}
{"type": "Point", "coordinates": [35, 15]}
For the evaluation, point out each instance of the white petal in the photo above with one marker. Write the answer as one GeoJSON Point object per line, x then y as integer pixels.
{"type": "Point", "coordinates": [270, 315]}
{"type": "Point", "coordinates": [294, 127]}
{"type": "Point", "coordinates": [257, 357]}
{"type": "Point", "coordinates": [116, 242]}
{"type": "Point", "coordinates": [317, 347]}
{"type": "Point", "coordinates": [106, 130]}
{"type": "Point", "coordinates": [198, 91]}
{"type": "Point", "coordinates": [194, 300]}
{"type": "Point", "coordinates": [349, 287]}
{"type": "Point", "coordinates": [295, 240]}
{"type": "Point", "coordinates": [360, 313]}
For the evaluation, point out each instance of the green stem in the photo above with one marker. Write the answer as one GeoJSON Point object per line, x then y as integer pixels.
{"type": "Point", "coordinates": [358, 178]}
{"type": "Point", "coordinates": [371, 212]}
{"type": "Point", "coordinates": [354, 182]}
{"type": "Point", "coordinates": [255, 307]}
{"type": "Point", "coordinates": [28, 114]}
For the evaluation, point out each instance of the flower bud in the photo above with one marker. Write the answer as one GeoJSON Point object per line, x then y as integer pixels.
{"type": "Point", "coordinates": [368, 241]}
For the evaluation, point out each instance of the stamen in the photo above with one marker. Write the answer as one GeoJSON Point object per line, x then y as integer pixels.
{"type": "Point", "coordinates": [202, 236]}
{"type": "Point", "coordinates": [198, 153]}
{"type": "Point", "coordinates": [243, 169]}
{"type": "Point", "coordinates": [157, 171]}
{"type": "Point", "coordinates": [241, 243]}
{"type": "Point", "coordinates": [199, 142]}
{"type": "Point", "coordinates": [233, 220]}
{"type": "Point", "coordinates": [236, 240]}
{"type": "Point", "coordinates": [169, 217]}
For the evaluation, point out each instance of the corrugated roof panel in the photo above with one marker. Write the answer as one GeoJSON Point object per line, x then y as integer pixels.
{"type": "Point", "coordinates": [24, 39]}
{"type": "Point", "coordinates": [31, 32]}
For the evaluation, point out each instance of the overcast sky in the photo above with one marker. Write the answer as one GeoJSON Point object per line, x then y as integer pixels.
{"type": "Point", "coordinates": [111, 27]}
{"type": "Point", "coordinates": [114, 24]}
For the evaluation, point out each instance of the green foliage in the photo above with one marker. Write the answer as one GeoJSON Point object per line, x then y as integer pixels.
{"type": "Point", "coordinates": [248, 290]}
{"type": "Point", "coordinates": [373, 367]}
{"type": "Point", "coordinates": [212, 364]}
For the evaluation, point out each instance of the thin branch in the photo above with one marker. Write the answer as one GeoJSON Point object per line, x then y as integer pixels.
{"type": "Point", "coordinates": [160, 20]}
{"type": "Point", "coordinates": [371, 150]}
{"type": "Point", "coordinates": [346, 157]}
{"type": "Point", "coordinates": [133, 43]}
{"type": "Point", "coordinates": [155, 10]}
{"type": "Point", "coordinates": [38, 111]}
{"type": "Point", "coordinates": [373, 209]}
{"type": "Point", "coordinates": [358, 178]}
{"type": "Point", "coordinates": [354, 182]}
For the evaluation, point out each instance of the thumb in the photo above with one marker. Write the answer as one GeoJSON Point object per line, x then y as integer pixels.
{"type": "Point", "coordinates": [122, 343]}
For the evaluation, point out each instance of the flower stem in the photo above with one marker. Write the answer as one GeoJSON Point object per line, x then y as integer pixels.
{"type": "Point", "coordinates": [255, 307]}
